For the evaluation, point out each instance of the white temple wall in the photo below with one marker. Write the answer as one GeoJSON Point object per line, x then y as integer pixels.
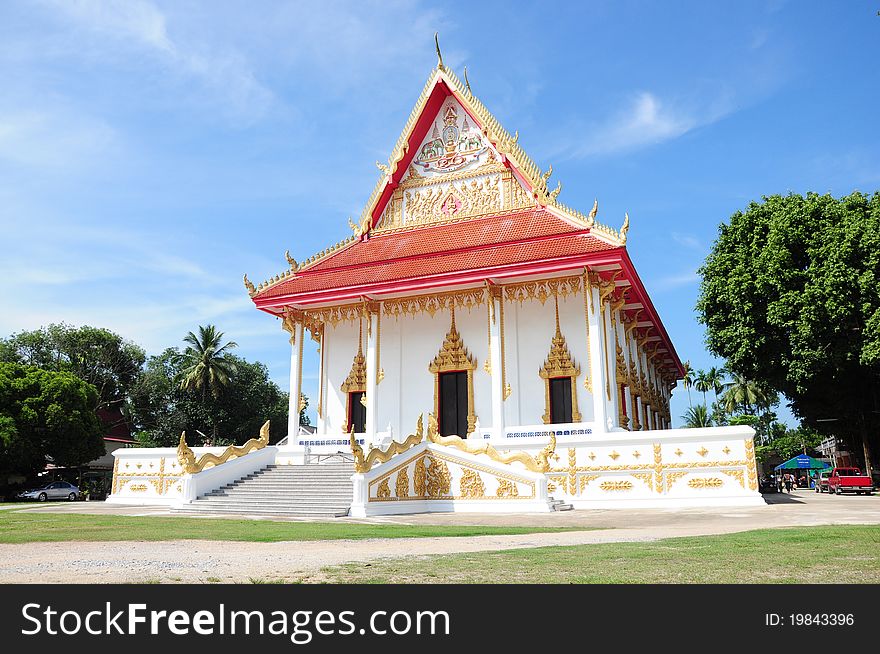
{"type": "Point", "coordinates": [409, 343]}
{"type": "Point", "coordinates": [529, 329]}
{"type": "Point", "coordinates": [342, 346]}
{"type": "Point", "coordinates": [390, 408]}
{"type": "Point", "coordinates": [416, 340]}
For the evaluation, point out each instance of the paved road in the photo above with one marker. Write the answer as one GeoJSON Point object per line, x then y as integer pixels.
{"type": "Point", "coordinates": [200, 561]}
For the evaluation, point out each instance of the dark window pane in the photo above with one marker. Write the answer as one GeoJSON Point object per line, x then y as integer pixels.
{"type": "Point", "coordinates": [357, 412]}
{"type": "Point", "coordinates": [560, 400]}
{"type": "Point", "coordinates": [453, 404]}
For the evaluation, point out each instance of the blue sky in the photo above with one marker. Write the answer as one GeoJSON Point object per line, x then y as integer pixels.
{"type": "Point", "coordinates": [152, 152]}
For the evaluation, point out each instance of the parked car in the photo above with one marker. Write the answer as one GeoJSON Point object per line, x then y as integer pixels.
{"type": "Point", "coordinates": [849, 480]}
{"type": "Point", "coordinates": [822, 481]}
{"type": "Point", "coordinates": [57, 490]}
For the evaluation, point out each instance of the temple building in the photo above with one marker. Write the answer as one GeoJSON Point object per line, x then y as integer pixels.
{"type": "Point", "coordinates": [467, 289]}
{"type": "Point", "coordinates": [468, 298]}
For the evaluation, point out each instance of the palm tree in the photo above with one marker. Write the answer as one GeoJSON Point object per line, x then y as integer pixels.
{"type": "Point", "coordinates": [206, 365]}
{"type": "Point", "coordinates": [703, 383]}
{"type": "Point", "coordinates": [715, 377]}
{"type": "Point", "coordinates": [697, 416]}
{"type": "Point", "coordinates": [742, 394]}
{"type": "Point", "coordinates": [688, 380]}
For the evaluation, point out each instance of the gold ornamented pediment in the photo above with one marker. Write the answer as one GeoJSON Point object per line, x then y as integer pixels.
{"type": "Point", "coordinates": [453, 355]}
{"type": "Point", "coordinates": [357, 377]}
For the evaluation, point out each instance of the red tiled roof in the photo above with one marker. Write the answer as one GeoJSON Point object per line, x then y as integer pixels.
{"type": "Point", "coordinates": [481, 243]}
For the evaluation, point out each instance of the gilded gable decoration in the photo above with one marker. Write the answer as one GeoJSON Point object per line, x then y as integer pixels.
{"type": "Point", "coordinates": [357, 377]}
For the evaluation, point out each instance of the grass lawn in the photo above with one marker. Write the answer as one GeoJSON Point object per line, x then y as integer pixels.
{"type": "Point", "coordinates": [843, 554]}
{"type": "Point", "coordinates": [18, 527]}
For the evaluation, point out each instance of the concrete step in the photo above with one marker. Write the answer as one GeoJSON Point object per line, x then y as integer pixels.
{"type": "Point", "coordinates": [311, 490]}
{"type": "Point", "coordinates": [559, 505]}
{"type": "Point", "coordinates": [248, 511]}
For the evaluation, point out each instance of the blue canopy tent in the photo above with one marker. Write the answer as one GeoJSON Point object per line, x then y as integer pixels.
{"type": "Point", "coordinates": [804, 462]}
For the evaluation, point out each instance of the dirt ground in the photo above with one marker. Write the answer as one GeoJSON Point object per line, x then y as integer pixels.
{"type": "Point", "coordinates": [224, 561]}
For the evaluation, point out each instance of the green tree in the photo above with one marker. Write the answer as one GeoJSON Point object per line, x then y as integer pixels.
{"type": "Point", "coordinates": [97, 356]}
{"type": "Point", "coordinates": [207, 367]}
{"type": "Point", "coordinates": [46, 416]}
{"type": "Point", "coordinates": [716, 379]}
{"type": "Point", "coordinates": [791, 442]}
{"type": "Point", "coordinates": [790, 296]}
{"type": "Point", "coordinates": [697, 416]}
{"type": "Point", "coordinates": [743, 395]}
{"type": "Point", "coordinates": [688, 380]}
{"type": "Point", "coordinates": [162, 409]}
{"type": "Point", "coordinates": [702, 384]}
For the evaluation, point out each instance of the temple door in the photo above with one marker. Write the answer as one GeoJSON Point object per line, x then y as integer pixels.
{"type": "Point", "coordinates": [560, 400]}
{"type": "Point", "coordinates": [453, 404]}
{"type": "Point", "coordinates": [357, 412]}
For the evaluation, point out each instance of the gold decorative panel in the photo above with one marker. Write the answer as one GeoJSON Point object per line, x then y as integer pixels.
{"type": "Point", "coordinates": [401, 486]}
{"type": "Point", "coordinates": [616, 485]}
{"type": "Point", "coordinates": [706, 482]}
{"type": "Point", "coordinates": [464, 199]}
{"type": "Point", "coordinates": [542, 290]}
{"type": "Point", "coordinates": [432, 303]}
{"type": "Point", "coordinates": [471, 485]}
{"type": "Point", "coordinates": [506, 488]}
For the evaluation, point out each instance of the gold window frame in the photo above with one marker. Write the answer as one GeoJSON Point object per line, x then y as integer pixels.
{"type": "Point", "coordinates": [454, 357]}
{"type": "Point", "coordinates": [559, 364]}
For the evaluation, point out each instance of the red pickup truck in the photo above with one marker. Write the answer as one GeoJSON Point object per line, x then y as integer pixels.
{"type": "Point", "coordinates": [849, 480]}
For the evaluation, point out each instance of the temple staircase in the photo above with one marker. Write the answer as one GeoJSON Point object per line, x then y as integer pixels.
{"type": "Point", "coordinates": [320, 490]}
{"type": "Point", "coordinates": [559, 505]}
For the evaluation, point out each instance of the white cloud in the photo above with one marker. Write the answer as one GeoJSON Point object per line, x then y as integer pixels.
{"type": "Point", "coordinates": [221, 69]}
{"type": "Point", "coordinates": [672, 282]}
{"type": "Point", "coordinates": [687, 240]}
{"type": "Point", "coordinates": [127, 20]}
{"type": "Point", "coordinates": [647, 121]}
{"type": "Point", "coordinates": [53, 138]}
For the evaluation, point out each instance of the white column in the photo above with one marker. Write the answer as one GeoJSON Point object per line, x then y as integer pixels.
{"type": "Point", "coordinates": [372, 372]}
{"type": "Point", "coordinates": [612, 409]}
{"type": "Point", "coordinates": [597, 360]}
{"type": "Point", "coordinates": [296, 349]}
{"type": "Point", "coordinates": [321, 426]}
{"type": "Point", "coordinates": [641, 413]}
{"type": "Point", "coordinates": [495, 365]}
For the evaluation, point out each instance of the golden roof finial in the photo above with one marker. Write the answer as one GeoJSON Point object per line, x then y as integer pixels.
{"type": "Point", "coordinates": [467, 82]}
{"type": "Point", "coordinates": [592, 217]}
{"type": "Point", "coordinates": [546, 175]}
{"type": "Point", "coordinates": [290, 260]}
{"type": "Point", "coordinates": [625, 228]}
{"type": "Point", "coordinates": [249, 285]}
{"type": "Point", "coordinates": [555, 192]}
{"type": "Point", "coordinates": [439, 55]}
{"type": "Point", "coordinates": [354, 228]}
{"type": "Point", "coordinates": [384, 168]}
